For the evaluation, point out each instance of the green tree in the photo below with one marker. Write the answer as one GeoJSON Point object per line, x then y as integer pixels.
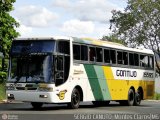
{"type": "Point", "coordinates": [139, 24]}
{"type": "Point", "coordinates": [7, 30]}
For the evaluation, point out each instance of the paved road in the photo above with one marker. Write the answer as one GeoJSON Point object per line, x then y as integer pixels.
{"type": "Point", "coordinates": [149, 110]}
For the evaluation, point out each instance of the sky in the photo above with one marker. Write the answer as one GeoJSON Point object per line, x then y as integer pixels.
{"type": "Point", "coordinates": [78, 18]}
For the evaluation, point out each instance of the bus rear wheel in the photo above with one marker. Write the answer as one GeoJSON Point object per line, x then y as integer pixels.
{"type": "Point", "coordinates": [75, 99]}
{"type": "Point", "coordinates": [137, 100]}
{"type": "Point", "coordinates": [36, 105]}
{"type": "Point", "coordinates": [130, 100]}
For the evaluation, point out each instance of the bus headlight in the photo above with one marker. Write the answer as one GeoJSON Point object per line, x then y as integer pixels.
{"type": "Point", "coordinates": [10, 97]}
{"type": "Point", "coordinates": [45, 89]}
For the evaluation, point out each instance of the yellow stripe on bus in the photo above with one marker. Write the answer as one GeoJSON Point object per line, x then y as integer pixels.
{"type": "Point", "coordinates": [119, 88]}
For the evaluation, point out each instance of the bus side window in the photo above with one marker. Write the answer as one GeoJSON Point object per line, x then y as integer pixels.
{"type": "Point", "coordinates": [92, 54]}
{"type": "Point", "coordinates": [136, 58]}
{"type": "Point", "coordinates": [131, 59]}
{"type": "Point", "coordinates": [63, 47]}
{"type": "Point", "coordinates": [106, 56]}
{"type": "Point", "coordinates": [99, 54]}
{"type": "Point", "coordinates": [144, 61]}
{"type": "Point", "coordinates": [84, 52]}
{"type": "Point", "coordinates": [151, 62]}
{"type": "Point", "coordinates": [76, 52]}
{"type": "Point", "coordinates": [113, 56]}
{"type": "Point", "coordinates": [125, 58]}
{"type": "Point", "coordinates": [119, 57]}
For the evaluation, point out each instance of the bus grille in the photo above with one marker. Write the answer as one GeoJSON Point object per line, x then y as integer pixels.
{"type": "Point", "coordinates": [26, 88]}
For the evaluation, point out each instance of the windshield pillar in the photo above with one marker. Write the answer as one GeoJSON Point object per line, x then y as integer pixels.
{"type": "Point", "coordinates": [47, 68]}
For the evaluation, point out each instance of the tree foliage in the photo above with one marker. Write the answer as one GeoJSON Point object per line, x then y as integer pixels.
{"type": "Point", "coordinates": [7, 28]}
{"type": "Point", "coordinates": [138, 24]}
{"type": "Point", "coordinates": [7, 25]}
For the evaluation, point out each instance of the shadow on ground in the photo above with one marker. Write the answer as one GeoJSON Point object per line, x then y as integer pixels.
{"type": "Point", "coordinates": [50, 107]}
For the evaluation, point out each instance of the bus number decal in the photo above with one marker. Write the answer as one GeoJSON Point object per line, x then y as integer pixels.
{"type": "Point", "coordinates": [61, 94]}
{"type": "Point", "coordinates": [147, 74]}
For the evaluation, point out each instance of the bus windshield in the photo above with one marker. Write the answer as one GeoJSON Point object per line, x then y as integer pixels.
{"type": "Point", "coordinates": [32, 47]}
{"type": "Point", "coordinates": [37, 69]}
{"type": "Point", "coordinates": [31, 61]}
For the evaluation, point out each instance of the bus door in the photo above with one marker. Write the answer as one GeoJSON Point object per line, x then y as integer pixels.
{"type": "Point", "coordinates": [62, 62]}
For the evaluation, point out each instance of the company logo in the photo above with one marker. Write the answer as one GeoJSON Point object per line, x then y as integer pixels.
{"type": "Point", "coordinates": [61, 94]}
{"type": "Point", "coordinates": [126, 73]}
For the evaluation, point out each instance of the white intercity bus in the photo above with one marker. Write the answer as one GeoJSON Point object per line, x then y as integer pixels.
{"type": "Point", "coordinates": [72, 70]}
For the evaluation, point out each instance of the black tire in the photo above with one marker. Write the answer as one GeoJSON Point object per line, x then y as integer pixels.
{"type": "Point", "coordinates": [100, 103]}
{"type": "Point", "coordinates": [131, 98]}
{"type": "Point", "coordinates": [137, 98]}
{"type": "Point", "coordinates": [36, 105]}
{"type": "Point", "coordinates": [75, 99]}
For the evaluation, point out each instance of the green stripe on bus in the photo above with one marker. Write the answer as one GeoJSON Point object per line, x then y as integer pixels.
{"type": "Point", "coordinates": [102, 81]}
{"type": "Point", "coordinates": [96, 89]}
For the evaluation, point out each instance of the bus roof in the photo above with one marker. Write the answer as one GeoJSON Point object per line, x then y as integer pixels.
{"type": "Point", "coordinates": [45, 38]}
{"type": "Point", "coordinates": [93, 42]}
{"type": "Point", "coordinates": [111, 45]}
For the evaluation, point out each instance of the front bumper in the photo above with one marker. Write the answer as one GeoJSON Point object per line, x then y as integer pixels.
{"type": "Point", "coordinates": [28, 96]}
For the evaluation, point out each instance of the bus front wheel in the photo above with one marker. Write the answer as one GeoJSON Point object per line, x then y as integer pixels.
{"type": "Point", "coordinates": [75, 99]}
{"type": "Point", "coordinates": [36, 105]}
